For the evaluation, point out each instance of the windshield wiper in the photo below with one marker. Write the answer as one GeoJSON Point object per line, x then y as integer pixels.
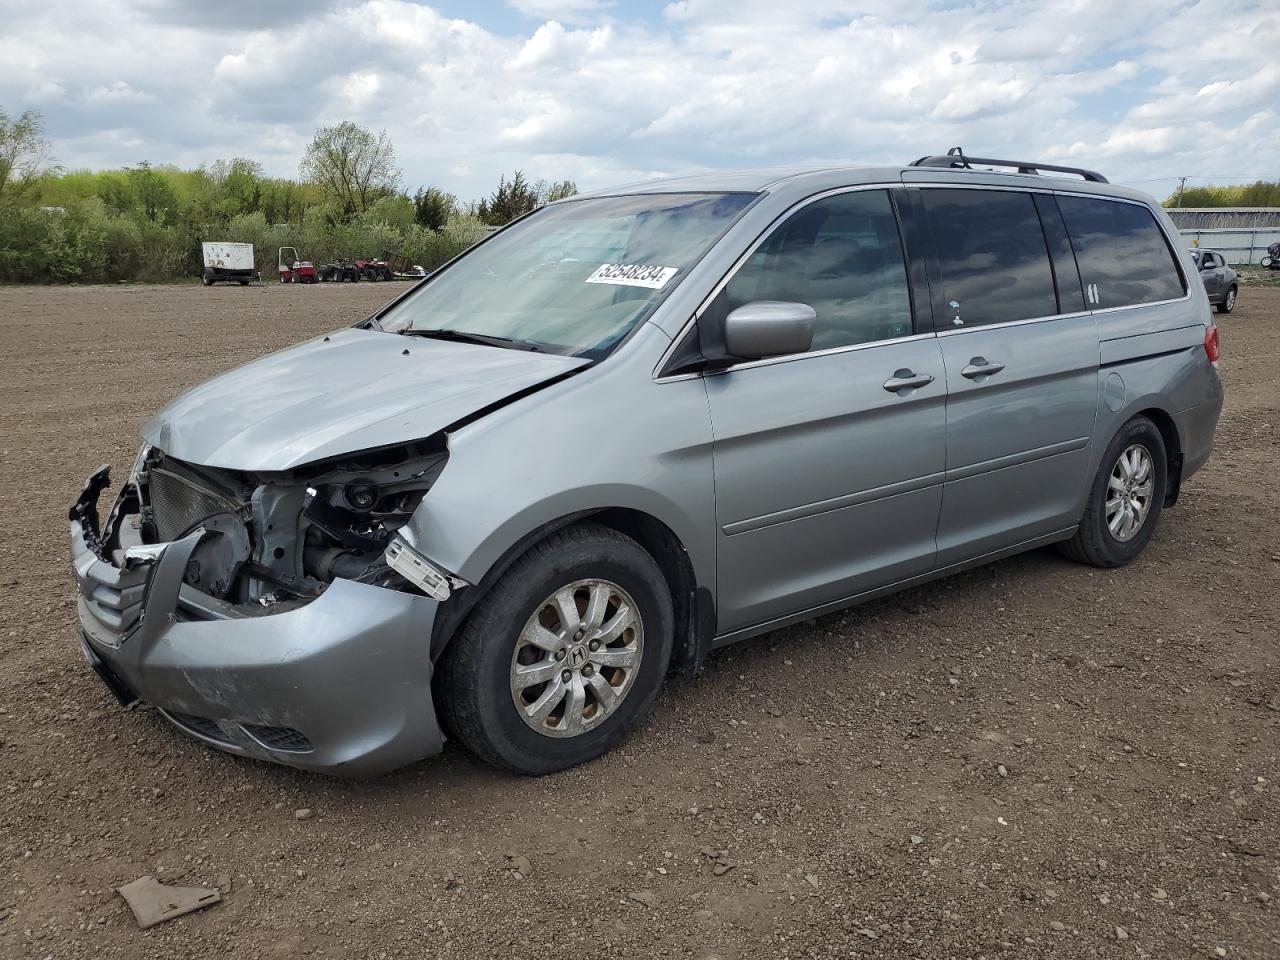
{"type": "Point", "coordinates": [463, 336]}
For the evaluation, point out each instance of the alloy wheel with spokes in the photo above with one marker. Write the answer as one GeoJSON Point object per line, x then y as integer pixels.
{"type": "Point", "coordinates": [1130, 489]}
{"type": "Point", "coordinates": [577, 658]}
{"type": "Point", "coordinates": [562, 656]}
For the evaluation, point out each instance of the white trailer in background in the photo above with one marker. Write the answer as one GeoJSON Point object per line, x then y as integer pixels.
{"type": "Point", "coordinates": [228, 261]}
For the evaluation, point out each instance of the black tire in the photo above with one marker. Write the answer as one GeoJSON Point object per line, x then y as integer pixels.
{"type": "Point", "coordinates": [473, 679]}
{"type": "Point", "coordinates": [244, 283]}
{"type": "Point", "coordinates": [1094, 542]}
{"type": "Point", "coordinates": [1229, 301]}
{"type": "Point", "coordinates": [206, 281]}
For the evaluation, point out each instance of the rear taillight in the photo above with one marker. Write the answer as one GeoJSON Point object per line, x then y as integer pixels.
{"type": "Point", "coordinates": [1211, 343]}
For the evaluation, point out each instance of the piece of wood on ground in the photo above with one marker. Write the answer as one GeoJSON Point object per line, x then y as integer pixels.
{"type": "Point", "coordinates": [152, 902]}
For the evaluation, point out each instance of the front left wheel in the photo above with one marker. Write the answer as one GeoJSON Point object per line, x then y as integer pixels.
{"type": "Point", "coordinates": [563, 656]}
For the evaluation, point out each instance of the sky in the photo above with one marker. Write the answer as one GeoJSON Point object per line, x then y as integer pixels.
{"type": "Point", "coordinates": [609, 91]}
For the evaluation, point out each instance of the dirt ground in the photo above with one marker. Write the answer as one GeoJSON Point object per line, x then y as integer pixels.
{"type": "Point", "coordinates": [1033, 759]}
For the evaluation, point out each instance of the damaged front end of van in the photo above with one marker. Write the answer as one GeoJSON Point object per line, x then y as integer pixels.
{"type": "Point", "coordinates": [258, 583]}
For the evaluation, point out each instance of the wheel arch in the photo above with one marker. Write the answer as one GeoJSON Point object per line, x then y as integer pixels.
{"type": "Point", "coordinates": [1172, 448]}
{"type": "Point", "coordinates": [693, 604]}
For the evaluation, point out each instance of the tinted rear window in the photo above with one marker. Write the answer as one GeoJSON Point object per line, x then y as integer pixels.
{"type": "Point", "coordinates": [1122, 251]}
{"type": "Point", "coordinates": [992, 253]}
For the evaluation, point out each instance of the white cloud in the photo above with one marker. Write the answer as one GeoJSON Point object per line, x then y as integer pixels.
{"type": "Point", "coordinates": [116, 93]}
{"type": "Point", "coordinates": [595, 95]}
{"type": "Point", "coordinates": [569, 11]}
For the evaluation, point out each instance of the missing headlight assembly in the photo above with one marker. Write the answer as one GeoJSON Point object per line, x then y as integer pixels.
{"type": "Point", "coordinates": [277, 539]}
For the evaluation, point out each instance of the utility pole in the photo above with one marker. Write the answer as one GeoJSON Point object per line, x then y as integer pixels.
{"type": "Point", "coordinates": [1182, 182]}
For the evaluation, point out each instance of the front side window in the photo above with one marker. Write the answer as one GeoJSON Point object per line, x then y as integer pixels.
{"type": "Point", "coordinates": [843, 257]}
{"type": "Point", "coordinates": [573, 278]}
{"type": "Point", "coordinates": [993, 257]}
{"type": "Point", "coordinates": [1122, 251]}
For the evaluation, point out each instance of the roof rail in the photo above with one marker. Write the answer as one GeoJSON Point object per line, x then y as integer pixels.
{"type": "Point", "coordinates": [955, 158]}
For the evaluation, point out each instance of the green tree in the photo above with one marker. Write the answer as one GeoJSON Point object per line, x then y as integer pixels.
{"type": "Point", "coordinates": [1258, 194]}
{"type": "Point", "coordinates": [432, 207]}
{"type": "Point", "coordinates": [240, 183]}
{"type": "Point", "coordinates": [395, 210]}
{"type": "Point", "coordinates": [518, 196]}
{"type": "Point", "coordinates": [513, 198]}
{"type": "Point", "coordinates": [24, 152]}
{"type": "Point", "coordinates": [153, 194]}
{"type": "Point", "coordinates": [561, 190]}
{"type": "Point", "coordinates": [352, 165]}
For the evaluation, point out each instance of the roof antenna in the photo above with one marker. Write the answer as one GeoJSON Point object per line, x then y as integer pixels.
{"type": "Point", "coordinates": [958, 152]}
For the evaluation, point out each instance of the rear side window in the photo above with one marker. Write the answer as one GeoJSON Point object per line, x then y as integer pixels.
{"type": "Point", "coordinates": [1121, 251]}
{"type": "Point", "coordinates": [992, 255]}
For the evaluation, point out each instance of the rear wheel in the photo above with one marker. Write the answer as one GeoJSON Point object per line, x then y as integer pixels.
{"type": "Point", "coordinates": [563, 656]}
{"type": "Point", "coordinates": [1228, 302]}
{"type": "Point", "coordinates": [1125, 499]}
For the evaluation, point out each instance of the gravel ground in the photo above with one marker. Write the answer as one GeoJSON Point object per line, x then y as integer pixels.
{"type": "Point", "coordinates": [1032, 759]}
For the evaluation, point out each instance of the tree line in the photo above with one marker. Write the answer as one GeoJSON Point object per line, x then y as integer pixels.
{"type": "Point", "coordinates": [147, 222]}
{"type": "Point", "coordinates": [1258, 194]}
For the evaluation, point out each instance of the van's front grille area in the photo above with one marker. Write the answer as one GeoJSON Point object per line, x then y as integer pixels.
{"type": "Point", "coordinates": [284, 739]}
{"type": "Point", "coordinates": [279, 739]}
{"type": "Point", "coordinates": [200, 726]}
{"type": "Point", "coordinates": [178, 504]}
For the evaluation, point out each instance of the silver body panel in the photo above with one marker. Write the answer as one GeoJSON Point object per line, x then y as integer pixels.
{"type": "Point", "coordinates": [794, 485]}
{"type": "Point", "coordinates": [1017, 461]}
{"type": "Point", "coordinates": [347, 391]}
{"type": "Point", "coordinates": [809, 462]}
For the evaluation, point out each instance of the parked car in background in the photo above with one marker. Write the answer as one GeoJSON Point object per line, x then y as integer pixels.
{"type": "Point", "coordinates": [637, 425]}
{"type": "Point", "coordinates": [1271, 259]}
{"type": "Point", "coordinates": [1219, 280]}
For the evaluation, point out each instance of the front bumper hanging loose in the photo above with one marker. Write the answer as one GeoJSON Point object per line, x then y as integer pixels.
{"type": "Point", "coordinates": [340, 685]}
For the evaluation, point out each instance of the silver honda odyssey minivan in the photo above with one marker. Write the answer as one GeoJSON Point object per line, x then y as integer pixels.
{"type": "Point", "coordinates": [637, 425]}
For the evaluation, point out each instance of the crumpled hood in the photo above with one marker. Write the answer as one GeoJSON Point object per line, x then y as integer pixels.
{"type": "Point", "coordinates": [350, 391]}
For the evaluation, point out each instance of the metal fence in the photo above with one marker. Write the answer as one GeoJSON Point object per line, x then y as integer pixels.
{"type": "Point", "coordinates": [1237, 245]}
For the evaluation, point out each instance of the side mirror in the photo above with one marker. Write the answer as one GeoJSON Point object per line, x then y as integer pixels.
{"type": "Point", "coordinates": [769, 328]}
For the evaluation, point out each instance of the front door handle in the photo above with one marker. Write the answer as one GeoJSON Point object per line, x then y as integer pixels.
{"type": "Point", "coordinates": [981, 367]}
{"type": "Point", "coordinates": [903, 380]}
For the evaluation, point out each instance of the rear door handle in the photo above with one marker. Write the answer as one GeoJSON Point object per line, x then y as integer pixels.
{"type": "Point", "coordinates": [903, 380]}
{"type": "Point", "coordinates": [981, 367]}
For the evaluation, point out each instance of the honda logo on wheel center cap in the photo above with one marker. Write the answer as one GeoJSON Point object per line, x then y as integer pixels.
{"type": "Point", "coordinates": [577, 656]}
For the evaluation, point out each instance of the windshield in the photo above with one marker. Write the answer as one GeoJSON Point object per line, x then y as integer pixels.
{"type": "Point", "coordinates": [573, 278]}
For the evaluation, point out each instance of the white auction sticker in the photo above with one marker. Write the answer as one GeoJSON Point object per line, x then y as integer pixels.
{"type": "Point", "coordinates": [633, 275]}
